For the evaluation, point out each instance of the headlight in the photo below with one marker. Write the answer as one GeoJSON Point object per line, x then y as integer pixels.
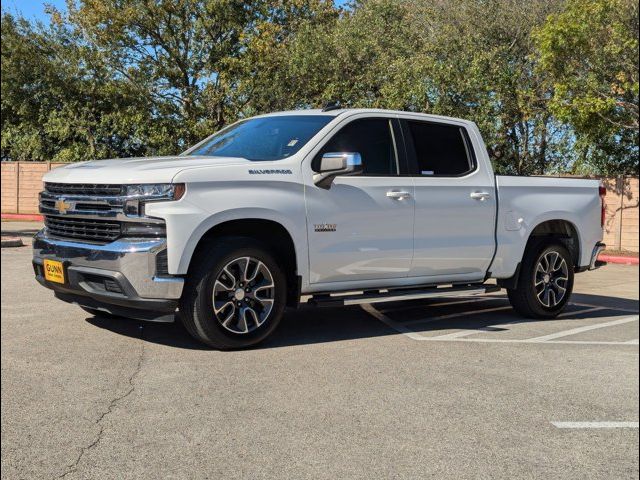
{"type": "Point", "coordinates": [138, 195]}
{"type": "Point", "coordinates": [156, 191]}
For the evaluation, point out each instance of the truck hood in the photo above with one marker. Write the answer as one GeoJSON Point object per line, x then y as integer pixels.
{"type": "Point", "coordinates": [134, 170]}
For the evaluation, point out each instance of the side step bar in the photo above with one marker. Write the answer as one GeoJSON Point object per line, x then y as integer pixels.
{"type": "Point", "coordinates": [379, 296]}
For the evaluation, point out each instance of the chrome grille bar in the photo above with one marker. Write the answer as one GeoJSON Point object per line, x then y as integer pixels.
{"type": "Point", "coordinates": [83, 189]}
{"type": "Point", "coordinates": [95, 230]}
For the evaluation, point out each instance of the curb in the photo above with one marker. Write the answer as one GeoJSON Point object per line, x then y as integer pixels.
{"type": "Point", "coordinates": [25, 217]}
{"type": "Point", "coordinates": [619, 260]}
{"type": "Point", "coordinates": [12, 242]}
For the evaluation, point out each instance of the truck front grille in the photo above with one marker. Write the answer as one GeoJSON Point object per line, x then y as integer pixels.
{"type": "Point", "coordinates": [82, 189]}
{"type": "Point", "coordinates": [100, 231]}
{"type": "Point", "coordinates": [82, 207]}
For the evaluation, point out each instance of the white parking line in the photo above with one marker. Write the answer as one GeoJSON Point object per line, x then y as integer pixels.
{"type": "Point", "coordinates": [617, 309]}
{"type": "Point", "coordinates": [595, 424]}
{"type": "Point", "coordinates": [491, 328]}
{"type": "Point", "coordinates": [456, 337]}
{"type": "Point", "coordinates": [580, 312]}
{"type": "Point", "coordinates": [574, 331]}
{"type": "Point", "coordinates": [555, 342]}
{"type": "Point", "coordinates": [371, 310]}
{"type": "Point", "coordinates": [466, 333]}
{"type": "Point", "coordinates": [459, 314]}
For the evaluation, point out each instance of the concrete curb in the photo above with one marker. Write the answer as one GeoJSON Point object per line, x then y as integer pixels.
{"type": "Point", "coordinates": [25, 217]}
{"type": "Point", "coordinates": [11, 242]}
{"type": "Point", "coordinates": [619, 260]}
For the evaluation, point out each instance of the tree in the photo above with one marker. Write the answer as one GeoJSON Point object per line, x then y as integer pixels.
{"type": "Point", "coordinates": [176, 53]}
{"type": "Point", "coordinates": [471, 61]}
{"type": "Point", "coordinates": [59, 101]}
{"type": "Point", "coordinates": [589, 51]}
{"type": "Point", "coordinates": [552, 84]}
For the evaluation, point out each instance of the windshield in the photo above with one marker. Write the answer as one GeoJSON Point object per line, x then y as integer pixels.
{"type": "Point", "coordinates": [266, 138]}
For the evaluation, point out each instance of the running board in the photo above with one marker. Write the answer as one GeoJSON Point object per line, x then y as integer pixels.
{"type": "Point", "coordinates": [399, 295]}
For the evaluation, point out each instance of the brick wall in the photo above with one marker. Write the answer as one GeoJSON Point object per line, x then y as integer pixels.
{"type": "Point", "coordinates": [21, 182]}
{"type": "Point", "coordinates": [621, 225]}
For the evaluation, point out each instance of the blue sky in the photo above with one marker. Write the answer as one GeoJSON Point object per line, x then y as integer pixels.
{"type": "Point", "coordinates": [32, 9]}
{"type": "Point", "coordinates": [35, 9]}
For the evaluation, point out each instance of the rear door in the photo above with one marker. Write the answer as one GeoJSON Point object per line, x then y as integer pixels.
{"type": "Point", "coordinates": [455, 202]}
{"type": "Point", "coordinates": [361, 228]}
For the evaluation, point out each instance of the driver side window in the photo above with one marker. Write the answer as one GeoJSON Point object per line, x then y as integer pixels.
{"type": "Point", "coordinates": [372, 139]}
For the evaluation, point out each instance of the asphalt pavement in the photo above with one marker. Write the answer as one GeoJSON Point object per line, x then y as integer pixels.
{"type": "Point", "coordinates": [445, 388]}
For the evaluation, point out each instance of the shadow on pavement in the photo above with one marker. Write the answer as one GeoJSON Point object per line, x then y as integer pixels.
{"type": "Point", "coordinates": [27, 232]}
{"type": "Point", "coordinates": [309, 325]}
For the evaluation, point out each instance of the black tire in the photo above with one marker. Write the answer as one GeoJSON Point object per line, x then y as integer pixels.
{"type": "Point", "coordinates": [528, 299]}
{"type": "Point", "coordinates": [197, 302]}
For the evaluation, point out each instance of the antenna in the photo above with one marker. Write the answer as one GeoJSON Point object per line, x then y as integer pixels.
{"type": "Point", "coordinates": [334, 105]}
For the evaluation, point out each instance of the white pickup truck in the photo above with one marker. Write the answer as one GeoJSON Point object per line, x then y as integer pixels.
{"type": "Point", "coordinates": [344, 206]}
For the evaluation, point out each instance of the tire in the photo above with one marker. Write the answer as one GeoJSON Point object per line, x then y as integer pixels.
{"type": "Point", "coordinates": [545, 280]}
{"type": "Point", "coordinates": [219, 309]}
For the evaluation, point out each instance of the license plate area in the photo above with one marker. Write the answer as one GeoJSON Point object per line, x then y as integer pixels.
{"type": "Point", "coordinates": [53, 271]}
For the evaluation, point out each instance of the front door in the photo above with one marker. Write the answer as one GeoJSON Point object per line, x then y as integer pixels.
{"type": "Point", "coordinates": [361, 228]}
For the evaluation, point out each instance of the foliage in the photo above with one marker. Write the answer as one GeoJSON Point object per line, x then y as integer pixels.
{"type": "Point", "coordinates": [552, 84]}
{"type": "Point", "coordinates": [589, 51]}
{"type": "Point", "coordinates": [59, 102]}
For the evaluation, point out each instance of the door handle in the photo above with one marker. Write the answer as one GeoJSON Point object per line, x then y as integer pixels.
{"type": "Point", "coordinates": [398, 195]}
{"type": "Point", "coordinates": [482, 196]}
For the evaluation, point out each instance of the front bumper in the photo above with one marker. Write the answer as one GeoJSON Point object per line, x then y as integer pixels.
{"type": "Point", "coordinates": [127, 274]}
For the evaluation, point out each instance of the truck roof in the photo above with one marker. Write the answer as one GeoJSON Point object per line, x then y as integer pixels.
{"type": "Point", "coordinates": [340, 111]}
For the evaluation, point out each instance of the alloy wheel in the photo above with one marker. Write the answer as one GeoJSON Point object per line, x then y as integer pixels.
{"type": "Point", "coordinates": [243, 295]}
{"type": "Point", "coordinates": [550, 279]}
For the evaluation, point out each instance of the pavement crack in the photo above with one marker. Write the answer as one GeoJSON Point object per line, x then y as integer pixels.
{"type": "Point", "coordinates": [73, 467]}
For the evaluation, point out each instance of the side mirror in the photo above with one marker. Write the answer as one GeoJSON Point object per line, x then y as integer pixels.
{"type": "Point", "coordinates": [334, 164]}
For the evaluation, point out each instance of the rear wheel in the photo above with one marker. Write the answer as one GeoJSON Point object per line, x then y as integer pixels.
{"type": "Point", "coordinates": [236, 295]}
{"type": "Point", "coordinates": [545, 282]}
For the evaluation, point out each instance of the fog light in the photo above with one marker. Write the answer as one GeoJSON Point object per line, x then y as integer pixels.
{"type": "Point", "coordinates": [112, 286]}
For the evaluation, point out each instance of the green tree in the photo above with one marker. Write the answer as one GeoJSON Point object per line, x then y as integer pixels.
{"type": "Point", "coordinates": [202, 62]}
{"type": "Point", "coordinates": [59, 102]}
{"type": "Point", "coordinates": [471, 60]}
{"type": "Point", "coordinates": [589, 51]}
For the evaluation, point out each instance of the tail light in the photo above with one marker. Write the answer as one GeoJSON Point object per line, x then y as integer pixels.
{"type": "Point", "coordinates": [602, 191]}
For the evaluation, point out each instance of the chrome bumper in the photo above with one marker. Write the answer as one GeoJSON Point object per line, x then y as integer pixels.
{"type": "Point", "coordinates": [595, 263]}
{"type": "Point", "coordinates": [124, 272]}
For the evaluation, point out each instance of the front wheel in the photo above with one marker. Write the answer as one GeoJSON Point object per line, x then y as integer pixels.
{"type": "Point", "coordinates": [545, 282]}
{"type": "Point", "coordinates": [235, 296]}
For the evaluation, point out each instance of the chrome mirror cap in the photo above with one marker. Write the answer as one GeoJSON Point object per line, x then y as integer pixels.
{"type": "Point", "coordinates": [333, 164]}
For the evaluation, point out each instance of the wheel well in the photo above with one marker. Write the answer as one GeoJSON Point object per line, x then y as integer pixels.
{"type": "Point", "coordinates": [563, 231]}
{"type": "Point", "coordinates": [273, 235]}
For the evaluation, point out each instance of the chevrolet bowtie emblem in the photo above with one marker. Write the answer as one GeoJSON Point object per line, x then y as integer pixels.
{"type": "Point", "coordinates": [62, 206]}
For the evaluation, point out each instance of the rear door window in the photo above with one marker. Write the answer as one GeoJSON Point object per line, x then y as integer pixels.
{"type": "Point", "coordinates": [438, 149]}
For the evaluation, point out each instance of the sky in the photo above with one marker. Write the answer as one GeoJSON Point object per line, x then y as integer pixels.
{"type": "Point", "coordinates": [32, 9]}
{"type": "Point", "coordinates": [35, 9]}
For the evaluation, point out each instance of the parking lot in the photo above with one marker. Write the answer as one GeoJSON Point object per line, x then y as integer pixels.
{"type": "Point", "coordinates": [445, 388]}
